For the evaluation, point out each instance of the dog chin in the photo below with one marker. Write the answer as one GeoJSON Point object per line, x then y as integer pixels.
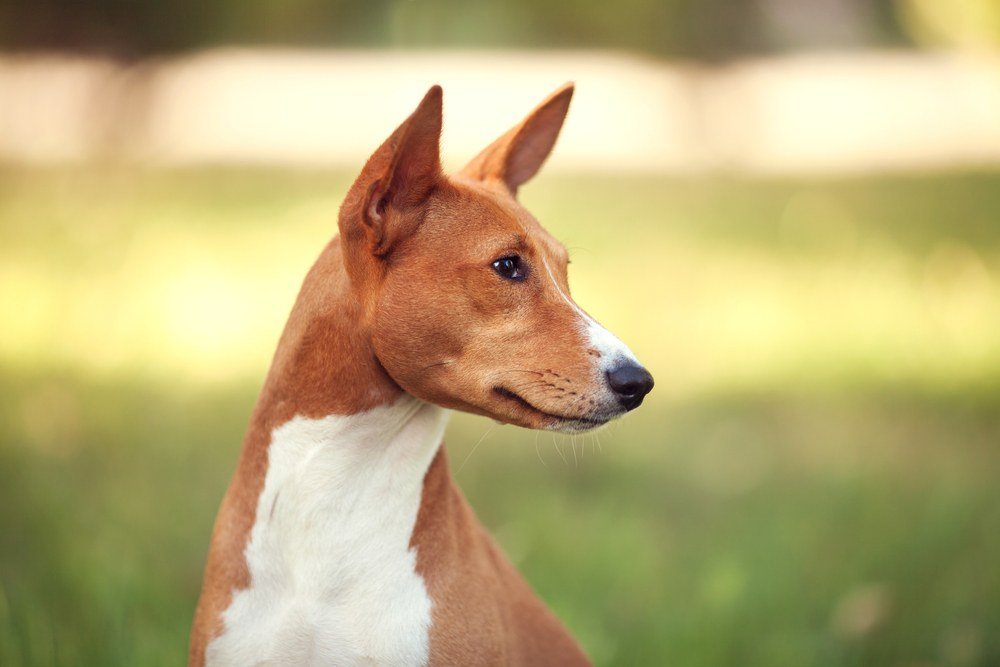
{"type": "Point", "coordinates": [516, 410]}
{"type": "Point", "coordinates": [555, 424]}
{"type": "Point", "coordinates": [576, 425]}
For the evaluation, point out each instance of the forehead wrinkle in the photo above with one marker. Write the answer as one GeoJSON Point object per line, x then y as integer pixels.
{"type": "Point", "coordinates": [493, 206]}
{"type": "Point", "coordinates": [552, 247]}
{"type": "Point", "coordinates": [511, 215]}
{"type": "Point", "coordinates": [488, 205]}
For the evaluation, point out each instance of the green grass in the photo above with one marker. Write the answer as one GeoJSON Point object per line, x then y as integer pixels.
{"type": "Point", "coordinates": [813, 482]}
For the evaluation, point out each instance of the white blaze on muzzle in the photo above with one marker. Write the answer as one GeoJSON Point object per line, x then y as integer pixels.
{"type": "Point", "coordinates": [612, 350]}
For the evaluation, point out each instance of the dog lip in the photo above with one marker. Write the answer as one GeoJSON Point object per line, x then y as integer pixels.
{"type": "Point", "coordinates": [512, 396]}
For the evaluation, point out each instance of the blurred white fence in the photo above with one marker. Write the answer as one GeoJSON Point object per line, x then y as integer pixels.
{"type": "Point", "coordinates": [816, 113]}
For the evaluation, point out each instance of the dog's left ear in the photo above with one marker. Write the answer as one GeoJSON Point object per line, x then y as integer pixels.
{"type": "Point", "coordinates": [519, 154]}
{"type": "Point", "coordinates": [396, 180]}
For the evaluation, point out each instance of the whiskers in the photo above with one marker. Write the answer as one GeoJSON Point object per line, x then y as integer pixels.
{"type": "Point", "coordinates": [580, 445]}
{"type": "Point", "coordinates": [561, 455]}
{"type": "Point", "coordinates": [538, 453]}
{"type": "Point", "coordinates": [475, 447]}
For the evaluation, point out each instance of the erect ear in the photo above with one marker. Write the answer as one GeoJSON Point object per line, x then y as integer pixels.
{"type": "Point", "coordinates": [399, 175]}
{"type": "Point", "coordinates": [518, 155]}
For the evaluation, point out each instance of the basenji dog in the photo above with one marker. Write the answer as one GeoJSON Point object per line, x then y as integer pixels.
{"type": "Point", "coordinates": [342, 538]}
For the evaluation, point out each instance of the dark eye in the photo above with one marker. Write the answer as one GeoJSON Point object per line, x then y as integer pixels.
{"type": "Point", "coordinates": [510, 268]}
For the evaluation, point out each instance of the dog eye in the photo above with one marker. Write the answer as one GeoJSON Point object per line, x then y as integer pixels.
{"type": "Point", "coordinates": [510, 268]}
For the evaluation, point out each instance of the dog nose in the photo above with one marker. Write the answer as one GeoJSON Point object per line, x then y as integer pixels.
{"type": "Point", "coordinates": [631, 382]}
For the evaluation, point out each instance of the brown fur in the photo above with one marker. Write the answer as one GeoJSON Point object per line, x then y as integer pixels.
{"type": "Point", "coordinates": [405, 299]}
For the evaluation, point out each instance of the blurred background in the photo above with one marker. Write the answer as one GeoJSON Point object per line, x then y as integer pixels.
{"type": "Point", "coordinates": [790, 209]}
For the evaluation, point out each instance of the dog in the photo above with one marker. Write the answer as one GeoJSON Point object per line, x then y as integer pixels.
{"type": "Point", "coordinates": [342, 538]}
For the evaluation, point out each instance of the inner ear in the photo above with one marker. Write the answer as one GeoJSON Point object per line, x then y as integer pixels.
{"type": "Point", "coordinates": [516, 157]}
{"type": "Point", "coordinates": [373, 219]}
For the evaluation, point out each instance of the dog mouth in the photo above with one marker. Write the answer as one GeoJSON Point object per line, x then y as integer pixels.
{"type": "Point", "coordinates": [573, 423]}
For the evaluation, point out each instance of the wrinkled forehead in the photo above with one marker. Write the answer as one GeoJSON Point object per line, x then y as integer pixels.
{"type": "Point", "coordinates": [486, 217]}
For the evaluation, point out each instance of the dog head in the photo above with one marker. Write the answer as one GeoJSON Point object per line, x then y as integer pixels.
{"type": "Point", "coordinates": [465, 294]}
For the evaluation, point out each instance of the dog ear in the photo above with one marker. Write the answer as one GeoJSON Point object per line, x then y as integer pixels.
{"type": "Point", "coordinates": [397, 178]}
{"type": "Point", "coordinates": [519, 154]}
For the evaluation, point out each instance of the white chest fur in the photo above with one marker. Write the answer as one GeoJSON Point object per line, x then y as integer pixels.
{"type": "Point", "coordinates": [332, 575]}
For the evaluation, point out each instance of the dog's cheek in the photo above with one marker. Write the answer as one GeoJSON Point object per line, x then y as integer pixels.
{"type": "Point", "coordinates": [406, 342]}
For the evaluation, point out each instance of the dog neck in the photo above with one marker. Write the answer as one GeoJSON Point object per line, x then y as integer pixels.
{"type": "Point", "coordinates": [324, 363]}
{"type": "Point", "coordinates": [321, 513]}
{"type": "Point", "coordinates": [329, 551]}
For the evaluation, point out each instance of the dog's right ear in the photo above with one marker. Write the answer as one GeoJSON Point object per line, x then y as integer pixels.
{"type": "Point", "coordinates": [518, 155]}
{"type": "Point", "coordinates": [397, 178]}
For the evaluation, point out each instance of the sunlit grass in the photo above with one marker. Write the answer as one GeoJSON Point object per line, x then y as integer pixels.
{"type": "Point", "coordinates": [813, 481]}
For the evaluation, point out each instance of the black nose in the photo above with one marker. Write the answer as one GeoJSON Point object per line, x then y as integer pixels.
{"type": "Point", "coordinates": [631, 382]}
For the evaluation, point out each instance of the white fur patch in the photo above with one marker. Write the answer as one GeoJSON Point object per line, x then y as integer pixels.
{"type": "Point", "coordinates": [332, 575]}
{"type": "Point", "coordinates": [611, 348]}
